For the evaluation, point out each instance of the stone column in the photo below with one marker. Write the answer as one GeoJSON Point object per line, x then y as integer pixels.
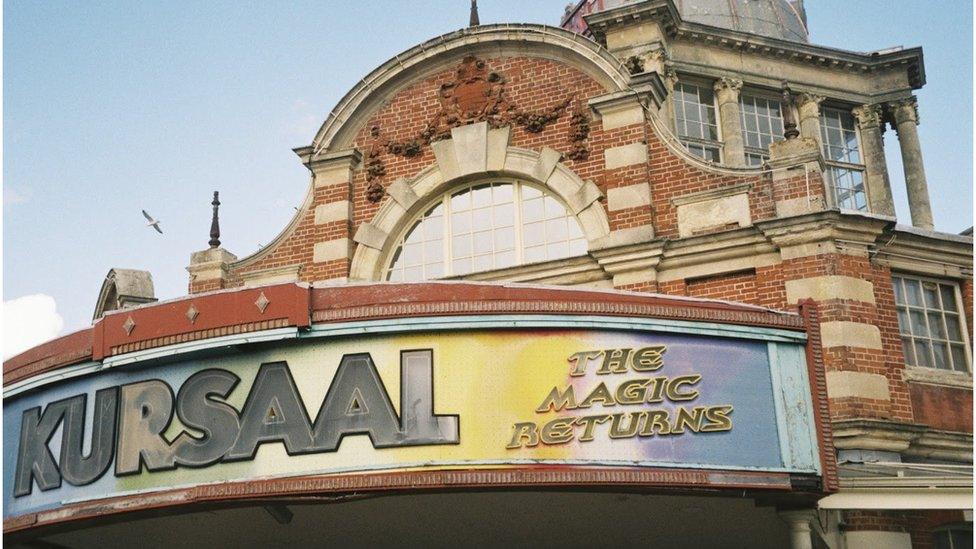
{"type": "Point", "coordinates": [905, 114]}
{"type": "Point", "coordinates": [733, 148]}
{"type": "Point", "coordinates": [799, 523]}
{"type": "Point", "coordinates": [876, 167]}
{"type": "Point", "coordinates": [808, 108]}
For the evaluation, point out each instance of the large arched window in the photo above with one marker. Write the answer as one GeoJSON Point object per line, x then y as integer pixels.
{"type": "Point", "coordinates": [486, 226]}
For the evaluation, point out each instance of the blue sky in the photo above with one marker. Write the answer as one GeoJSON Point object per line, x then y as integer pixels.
{"type": "Point", "coordinates": [112, 107]}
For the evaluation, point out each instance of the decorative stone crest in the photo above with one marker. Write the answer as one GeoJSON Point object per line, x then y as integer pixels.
{"type": "Point", "coordinates": [474, 95]}
{"type": "Point", "coordinates": [262, 302]}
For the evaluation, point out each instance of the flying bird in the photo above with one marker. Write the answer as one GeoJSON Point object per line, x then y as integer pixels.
{"type": "Point", "coordinates": [154, 223]}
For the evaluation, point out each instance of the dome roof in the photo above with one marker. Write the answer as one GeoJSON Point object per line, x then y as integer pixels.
{"type": "Point", "coordinates": [773, 18]}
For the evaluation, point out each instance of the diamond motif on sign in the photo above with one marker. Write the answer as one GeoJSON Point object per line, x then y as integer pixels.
{"type": "Point", "coordinates": [262, 302]}
{"type": "Point", "coordinates": [192, 313]}
{"type": "Point", "coordinates": [129, 325]}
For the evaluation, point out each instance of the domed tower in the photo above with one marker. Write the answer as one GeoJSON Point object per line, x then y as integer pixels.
{"type": "Point", "coordinates": [771, 18]}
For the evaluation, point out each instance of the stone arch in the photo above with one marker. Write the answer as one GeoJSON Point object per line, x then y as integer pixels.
{"type": "Point", "coordinates": [473, 151]}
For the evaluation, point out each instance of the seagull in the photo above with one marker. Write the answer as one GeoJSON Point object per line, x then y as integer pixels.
{"type": "Point", "coordinates": [154, 223]}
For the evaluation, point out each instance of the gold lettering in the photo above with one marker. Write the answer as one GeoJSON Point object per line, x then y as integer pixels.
{"type": "Point", "coordinates": [719, 418]}
{"type": "Point", "coordinates": [692, 420]}
{"type": "Point", "coordinates": [658, 419]}
{"type": "Point", "coordinates": [649, 359]}
{"type": "Point", "coordinates": [581, 360]}
{"type": "Point", "coordinates": [617, 432]}
{"type": "Point", "coordinates": [614, 361]}
{"type": "Point", "coordinates": [558, 431]}
{"type": "Point", "coordinates": [677, 382]}
{"type": "Point", "coordinates": [589, 424]}
{"type": "Point", "coordinates": [632, 391]}
{"type": "Point", "coordinates": [600, 394]}
{"type": "Point", "coordinates": [557, 401]}
{"type": "Point", "coordinates": [657, 388]}
{"type": "Point", "coordinates": [526, 430]}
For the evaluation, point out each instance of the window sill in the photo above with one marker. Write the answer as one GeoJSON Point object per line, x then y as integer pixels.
{"type": "Point", "coordinates": [933, 376]}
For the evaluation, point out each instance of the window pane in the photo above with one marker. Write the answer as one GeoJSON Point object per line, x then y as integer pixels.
{"type": "Point", "coordinates": [953, 327]}
{"type": "Point", "coordinates": [941, 353]}
{"type": "Point", "coordinates": [913, 291]}
{"type": "Point", "coordinates": [484, 234]}
{"type": "Point", "coordinates": [929, 290]}
{"type": "Point", "coordinates": [899, 294]}
{"type": "Point", "coordinates": [936, 328]}
{"type": "Point", "coordinates": [948, 297]}
{"type": "Point", "coordinates": [909, 349]}
{"type": "Point", "coordinates": [958, 358]}
{"type": "Point", "coordinates": [919, 327]}
{"type": "Point", "coordinates": [923, 353]}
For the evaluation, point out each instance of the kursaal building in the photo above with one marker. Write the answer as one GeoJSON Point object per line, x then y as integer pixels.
{"type": "Point", "coordinates": [633, 281]}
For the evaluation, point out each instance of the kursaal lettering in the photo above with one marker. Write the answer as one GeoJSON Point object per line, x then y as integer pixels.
{"type": "Point", "coordinates": [129, 421]}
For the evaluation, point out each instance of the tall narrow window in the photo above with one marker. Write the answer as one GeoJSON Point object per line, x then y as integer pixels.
{"type": "Point", "coordinates": [931, 323]}
{"type": "Point", "coordinates": [843, 156]}
{"type": "Point", "coordinates": [483, 227]}
{"type": "Point", "coordinates": [694, 120]}
{"type": "Point", "coordinates": [762, 123]}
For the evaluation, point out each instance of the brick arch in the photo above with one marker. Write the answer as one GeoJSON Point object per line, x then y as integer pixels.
{"type": "Point", "coordinates": [473, 151]}
{"type": "Point", "coordinates": [513, 40]}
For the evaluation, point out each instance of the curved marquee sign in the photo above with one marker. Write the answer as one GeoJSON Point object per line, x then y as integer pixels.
{"type": "Point", "coordinates": [459, 393]}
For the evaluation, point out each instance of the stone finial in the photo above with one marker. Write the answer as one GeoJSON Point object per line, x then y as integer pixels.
{"type": "Point", "coordinates": [789, 121]}
{"type": "Point", "coordinates": [215, 224]}
{"type": "Point", "coordinates": [867, 116]}
{"type": "Point", "coordinates": [474, 21]}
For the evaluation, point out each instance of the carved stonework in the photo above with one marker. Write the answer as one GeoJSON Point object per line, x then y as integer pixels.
{"type": "Point", "coordinates": [730, 84]}
{"type": "Point", "coordinates": [579, 131]}
{"type": "Point", "coordinates": [805, 98]}
{"type": "Point", "coordinates": [634, 65]}
{"type": "Point", "coordinates": [904, 110]}
{"type": "Point", "coordinates": [475, 95]}
{"type": "Point", "coordinates": [867, 116]}
{"type": "Point", "coordinates": [375, 169]}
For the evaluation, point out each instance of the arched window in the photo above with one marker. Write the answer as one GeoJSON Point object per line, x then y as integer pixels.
{"type": "Point", "coordinates": [486, 226]}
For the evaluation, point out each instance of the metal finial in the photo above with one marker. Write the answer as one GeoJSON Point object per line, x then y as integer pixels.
{"type": "Point", "coordinates": [474, 22]}
{"type": "Point", "coordinates": [789, 121]}
{"type": "Point", "coordinates": [214, 224]}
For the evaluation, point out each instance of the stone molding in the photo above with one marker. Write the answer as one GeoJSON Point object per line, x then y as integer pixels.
{"type": "Point", "coordinates": [711, 194]}
{"type": "Point", "coordinates": [619, 109]}
{"type": "Point", "coordinates": [628, 196]}
{"type": "Point", "coordinates": [933, 376]}
{"type": "Point", "coordinates": [841, 333]}
{"type": "Point", "coordinates": [333, 211]}
{"type": "Point", "coordinates": [271, 275]}
{"type": "Point", "coordinates": [847, 384]}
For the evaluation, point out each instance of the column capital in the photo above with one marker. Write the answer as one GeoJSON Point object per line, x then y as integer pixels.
{"type": "Point", "coordinates": [804, 98]}
{"type": "Point", "coordinates": [904, 110]}
{"type": "Point", "coordinates": [867, 116]}
{"type": "Point", "coordinates": [728, 84]}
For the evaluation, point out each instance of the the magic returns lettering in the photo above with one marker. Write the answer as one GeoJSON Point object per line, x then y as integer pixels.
{"type": "Point", "coordinates": [649, 389]}
{"type": "Point", "coordinates": [130, 421]}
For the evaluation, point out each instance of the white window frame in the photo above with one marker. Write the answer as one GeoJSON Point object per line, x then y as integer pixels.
{"type": "Point", "coordinates": [768, 96]}
{"type": "Point", "coordinates": [445, 201]}
{"type": "Point", "coordinates": [861, 168]}
{"type": "Point", "coordinates": [963, 322]}
{"type": "Point", "coordinates": [719, 142]}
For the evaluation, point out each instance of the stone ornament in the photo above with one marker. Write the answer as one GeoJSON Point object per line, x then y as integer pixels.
{"type": "Point", "coordinates": [579, 132]}
{"type": "Point", "coordinates": [730, 84]}
{"type": "Point", "coordinates": [905, 110]}
{"type": "Point", "coordinates": [474, 95]}
{"type": "Point", "coordinates": [867, 116]}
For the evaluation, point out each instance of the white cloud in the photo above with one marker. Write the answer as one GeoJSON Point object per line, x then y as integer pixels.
{"type": "Point", "coordinates": [28, 321]}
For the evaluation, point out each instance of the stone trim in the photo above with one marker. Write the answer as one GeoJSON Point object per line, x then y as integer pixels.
{"type": "Point", "coordinates": [823, 288]}
{"type": "Point", "coordinates": [847, 384]}
{"type": "Point", "coordinates": [629, 196]}
{"type": "Point", "coordinates": [331, 250]}
{"type": "Point", "coordinates": [840, 333]}
{"type": "Point", "coordinates": [619, 109]}
{"type": "Point", "coordinates": [271, 275]}
{"type": "Point", "coordinates": [368, 235]}
{"type": "Point", "coordinates": [711, 194]}
{"type": "Point", "coordinates": [934, 376]}
{"type": "Point", "coordinates": [625, 155]}
{"type": "Point", "coordinates": [333, 211]}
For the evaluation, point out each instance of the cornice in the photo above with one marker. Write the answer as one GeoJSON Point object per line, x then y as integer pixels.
{"type": "Point", "coordinates": [667, 15]}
